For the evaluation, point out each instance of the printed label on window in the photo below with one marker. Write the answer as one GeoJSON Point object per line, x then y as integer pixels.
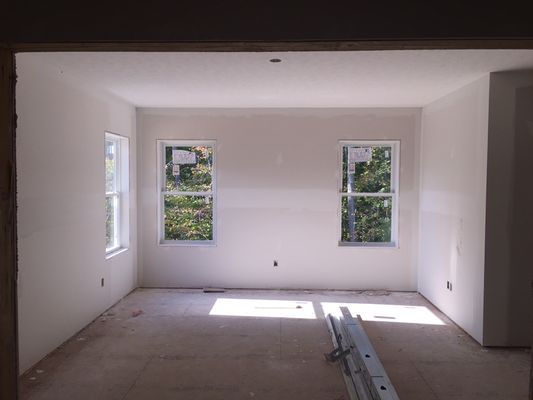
{"type": "Point", "coordinates": [175, 169]}
{"type": "Point", "coordinates": [183, 157]}
{"type": "Point", "coordinates": [359, 154]}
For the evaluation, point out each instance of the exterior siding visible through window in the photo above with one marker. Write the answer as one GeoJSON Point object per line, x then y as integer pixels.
{"type": "Point", "coordinates": [369, 193]}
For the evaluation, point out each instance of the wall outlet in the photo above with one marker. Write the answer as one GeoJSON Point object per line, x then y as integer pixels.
{"type": "Point", "coordinates": [275, 263]}
{"type": "Point", "coordinates": [102, 282]}
{"type": "Point", "coordinates": [448, 285]}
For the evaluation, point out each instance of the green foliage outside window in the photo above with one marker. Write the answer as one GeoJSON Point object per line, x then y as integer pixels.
{"type": "Point", "coordinates": [110, 222]}
{"type": "Point", "coordinates": [367, 219]}
{"type": "Point", "coordinates": [111, 150]}
{"type": "Point", "coordinates": [188, 216]}
{"type": "Point", "coordinates": [372, 218]}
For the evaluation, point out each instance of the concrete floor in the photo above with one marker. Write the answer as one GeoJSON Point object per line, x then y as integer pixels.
{"type": "Point", "coordinates": [162, 344]}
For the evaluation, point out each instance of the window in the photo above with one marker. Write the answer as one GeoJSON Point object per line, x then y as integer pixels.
{"type": "Point", "coordinates": [116, 191]}
{"type": "Point", "coordinates": [187, 192]}
{"type": "Point", "coordinates": [369, 193]}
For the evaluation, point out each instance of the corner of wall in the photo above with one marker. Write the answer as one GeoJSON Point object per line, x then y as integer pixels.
{"type": "Point", "coordinates": [507, 300]}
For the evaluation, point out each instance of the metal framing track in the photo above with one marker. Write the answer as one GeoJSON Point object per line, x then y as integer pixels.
{"type": "Point", "coordinates": [363, 373]}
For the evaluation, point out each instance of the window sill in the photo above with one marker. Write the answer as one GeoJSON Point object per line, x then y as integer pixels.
{"type": "Point", "coordinates": [185, 243]}
{"type": "Point", "coordinates": [115, 252]}
{"type": "Point", "coordinates": [391, 245]}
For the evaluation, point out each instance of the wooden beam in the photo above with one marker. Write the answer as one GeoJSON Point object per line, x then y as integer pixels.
{"type": "Point", "coordinates": [8, 234]}
{"type": "Point", "coordinates": [260, 46]}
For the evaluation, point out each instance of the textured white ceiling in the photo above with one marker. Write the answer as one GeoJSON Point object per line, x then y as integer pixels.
{"type": "Point", "coordinates": [303, 79]}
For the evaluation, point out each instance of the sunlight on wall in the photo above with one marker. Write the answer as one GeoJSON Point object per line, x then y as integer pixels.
{"type": "Point", "coordinates": [263, 308]}
{"type": "Point", "coordinates": [386, 313]}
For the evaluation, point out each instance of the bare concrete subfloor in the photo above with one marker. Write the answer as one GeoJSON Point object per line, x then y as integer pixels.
{"type": "Point", "coordinates": [160, 344]}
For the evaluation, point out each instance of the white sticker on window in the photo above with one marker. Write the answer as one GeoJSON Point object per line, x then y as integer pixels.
{"type": "Point", "coordinates": [359, 154]}
{"type": "Point", "coordinates": [175, 169]}
{"type": "Point", "coordinates": [183, 157]}
{"type": "Point", "coordinates": [385, 203]}
{"type": "Point", "coordinates": [386, 154]}
{"type": "Point", "coordinates": [351, 168]}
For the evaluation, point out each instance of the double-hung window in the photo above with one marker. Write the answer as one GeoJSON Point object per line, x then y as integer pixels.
{"type": "Point", "coordinates": [187, 192]}
{"type": "Point", "coordinates": [369, 193]}
{"type": "Point", "coordinates": [116, 188]}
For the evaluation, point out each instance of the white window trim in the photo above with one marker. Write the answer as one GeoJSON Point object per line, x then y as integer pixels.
{"type": "Point", "coordinates": [121, 193]}
{"type": "Point", "coordinates": [161, 144]}
{"type": "Point", "coordinates": [394, 194]}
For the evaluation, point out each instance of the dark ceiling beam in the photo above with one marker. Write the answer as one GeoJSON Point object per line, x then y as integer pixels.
{"type": "Point", "coordinates": [249, 46]}
{"type": "Point", "coordinates": [61, 21]}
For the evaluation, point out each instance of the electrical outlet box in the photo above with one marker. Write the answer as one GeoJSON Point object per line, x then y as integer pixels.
{"type": "Point", "coordinates": [102, 282]}
{"type": "Point", "coordinates": [275, 263]}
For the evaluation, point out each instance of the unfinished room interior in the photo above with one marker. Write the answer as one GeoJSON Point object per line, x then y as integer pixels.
{"type": "Point", "coordinates": [211, 225]}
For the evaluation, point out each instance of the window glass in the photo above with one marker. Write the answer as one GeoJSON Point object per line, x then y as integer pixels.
{"type": "Point", "coordinates": [188, 217]}
{"type": "Point", "coordinates": [187, 192]}
{"type": "Point", "coordinates": [368, 193]}
{"type": "Point", "coordinates": [110, 166]}
{"type": "Point", "coordinates": [188, 168]}
{"type": "Point", "coordinates": [366, 169]}
{"type": "Point", "coordinates": [116, 164]}
{"type": "Point", "coordinates": [366, 219]}
{"type": "Point", "coordinates": [110, 222]}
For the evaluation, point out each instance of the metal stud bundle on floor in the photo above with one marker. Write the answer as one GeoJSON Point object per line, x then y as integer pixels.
{"type": "Point", "coordinates": [363, 373]}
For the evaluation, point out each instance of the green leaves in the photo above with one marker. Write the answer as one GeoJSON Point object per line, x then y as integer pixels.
{"type": "Point", "coordinates": [366, 219]}
{"type": "Point", "coordinates": [188, 217]}
{"type": "Point", "coordinates": [371, 216]}
{"type": "Point", "coordinates": [373, 176]}
{"type": "Point", "coordinates": [192, 177]}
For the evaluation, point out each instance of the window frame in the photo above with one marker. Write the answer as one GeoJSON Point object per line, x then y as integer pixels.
{"type": "Point", "coordinates": [120, 194]}
{"type": "Point", "coordinates": [394, 193]}
{"type": "Point", "coordinates": [161, 192]}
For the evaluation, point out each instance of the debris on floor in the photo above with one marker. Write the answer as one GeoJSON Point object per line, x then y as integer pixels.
{"type": "Point", "coordinates": [108, 314]}
{"type": "Point", "coordinates": [195, 354]}
{"type": "Point", "coordinates": [136, 313]}
{"type": "Point", "coordinates": [376, 293]}
{"type": "Point", "coordinates": [214, 290]}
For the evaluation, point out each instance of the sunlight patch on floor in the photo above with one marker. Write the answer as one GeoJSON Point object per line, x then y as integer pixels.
{"type": "Point", "coordinates": [263, 308]}
{"type": "Point", "coordinates": [386, 313]}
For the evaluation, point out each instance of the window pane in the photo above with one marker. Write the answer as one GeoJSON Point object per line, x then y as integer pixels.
{"type": "Point", "coordinates": [366, 219]}
{"type": "Point", "coordinates": [111, 221]}
{"type": "Point", "coordinates": [188, 217]}
{"type": "Point", "coordinates": [366, 169]}
{"type": "Point", "coordinates": [110, 166]}
{"type": "Point", "coordinates": [188, 169]}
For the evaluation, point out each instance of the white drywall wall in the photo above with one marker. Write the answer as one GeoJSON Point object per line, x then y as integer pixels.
{"type": "Point", "coordinates": [277, 173]}
{"type": "Point", "coordinates": [508, 268]}
{"type": "Point", "coordinates": [453, 166]}
{"type": "Point", "coordinates": [61, 215]}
